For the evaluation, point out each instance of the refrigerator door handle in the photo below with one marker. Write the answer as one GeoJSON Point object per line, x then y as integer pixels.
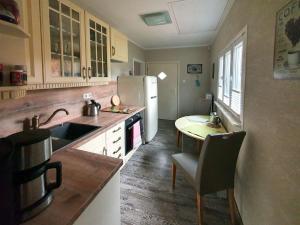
{"type": "Point", "coordinates": [152, 97]}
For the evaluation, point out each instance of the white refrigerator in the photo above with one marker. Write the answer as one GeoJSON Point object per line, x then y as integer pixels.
{"type": "Point", "coordinates": [141, 91]}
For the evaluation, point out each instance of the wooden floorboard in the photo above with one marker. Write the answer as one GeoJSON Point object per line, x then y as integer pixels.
{"type": "Point", "coordinates": [147, 197]}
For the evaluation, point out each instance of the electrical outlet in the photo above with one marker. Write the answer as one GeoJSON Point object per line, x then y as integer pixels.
{"type": "Point", "coordinates": [87, 96]}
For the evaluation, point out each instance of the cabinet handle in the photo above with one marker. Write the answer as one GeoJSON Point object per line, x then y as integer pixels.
{"type": "Point", "coordinates": [104, 151]}
{"type": "Point", "coordinates": [89, 72]}
{"type": "Point", "coordinates": [117, 150]}
{"type": "Point", "coordinates": [113, 49]}
{"type": "Point", "coordinates": [114, 142]}
{"type": "Point", "coordinates": [83, 72]}
{"type": "Point", "coordinates": [114, 131]}
{"type": "Point", "coordinates": [119, 155]}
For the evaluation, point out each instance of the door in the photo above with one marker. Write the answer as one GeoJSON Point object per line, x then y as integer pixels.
{"type": "Point", "coordinates": [166, 88]}
{"type": "Point", "coordinates": [98, 49]}
{"type": "Point", "coordinates": [63, 39]}
{"type": "Point", "coordinates": [138, 67]}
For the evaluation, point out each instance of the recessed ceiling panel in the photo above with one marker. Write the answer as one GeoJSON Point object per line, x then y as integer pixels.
{"type": "Point", "coordinates": [196, 19]}
{"type": "Point", "coordinates": [194, 16]}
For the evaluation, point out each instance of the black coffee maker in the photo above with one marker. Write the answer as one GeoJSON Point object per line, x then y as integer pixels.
{"type": "Point", "coordinates": [7, 207]}
{"type": "Point", "coordinates": [30, 155]}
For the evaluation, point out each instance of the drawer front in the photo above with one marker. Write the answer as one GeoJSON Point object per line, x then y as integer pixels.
{"type": "Point", "coordinates": [115, 141]}
{"type": "Point", "coordinates": [96, 145]}
{"type": "Point", "coordinates": [116, 146]}
{"type": "Point", "coordinates": [116, 152]}
{"type": "Point", "coordinates": [116, 130]}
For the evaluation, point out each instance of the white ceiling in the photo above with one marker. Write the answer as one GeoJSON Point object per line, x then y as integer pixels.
{"type": "Point", "coordinates": [194, 22]}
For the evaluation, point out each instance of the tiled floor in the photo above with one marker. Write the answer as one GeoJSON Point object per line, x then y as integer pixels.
{"type": "Point", "coordinates": [146, 194]}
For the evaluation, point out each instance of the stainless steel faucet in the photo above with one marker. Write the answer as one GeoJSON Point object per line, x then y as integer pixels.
{"type": "Point", "coordinates": [36, 119]}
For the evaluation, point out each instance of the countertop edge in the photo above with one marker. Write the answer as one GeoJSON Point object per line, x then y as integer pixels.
{"type": "Point", "coordinates": [97, 191]}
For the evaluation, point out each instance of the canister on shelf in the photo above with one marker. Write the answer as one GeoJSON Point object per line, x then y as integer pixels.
{"type": "Point", "coordinates": [16, 77]}
{"type": "Point", "coordinates": [1, 74]}
{"type": "Point", "coordinates": [23, 68]}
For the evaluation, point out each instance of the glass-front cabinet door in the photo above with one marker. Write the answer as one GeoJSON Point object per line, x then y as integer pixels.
{"type": "Point", "coordinates": [64, 42]}
{"type": "Point", "coordinates": [97, 49]}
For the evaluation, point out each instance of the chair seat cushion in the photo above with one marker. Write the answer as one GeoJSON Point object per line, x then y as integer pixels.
{"type": "Point", "coordinates": [188, 163]}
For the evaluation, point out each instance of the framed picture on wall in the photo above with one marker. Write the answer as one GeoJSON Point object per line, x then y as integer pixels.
{"type": "Point", "coordinates": [287, 42]}
{"type": "Point", "coordinates": [194, 68]}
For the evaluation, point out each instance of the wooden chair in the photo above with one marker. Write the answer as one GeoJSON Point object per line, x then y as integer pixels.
{"type": "Point", "coordinates": [213, 170]}
{"type": "Point", "coordinates": [178, 138]}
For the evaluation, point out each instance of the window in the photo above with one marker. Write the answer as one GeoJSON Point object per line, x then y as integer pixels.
{"type": "Point", "coordinates": [220, 88]}
{"type": "Point", "coordinates": [231, 72]}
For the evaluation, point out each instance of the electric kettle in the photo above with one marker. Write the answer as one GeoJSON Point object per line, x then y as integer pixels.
{"type": "Point", "coordinates": [93, 108]}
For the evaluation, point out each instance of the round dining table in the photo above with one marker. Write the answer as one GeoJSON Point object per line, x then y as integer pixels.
{"type": "Point", "coordinates": [197, 127]}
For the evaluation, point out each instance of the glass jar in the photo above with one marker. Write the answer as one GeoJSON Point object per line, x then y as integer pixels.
{"type": "Point", "coordinates": [16, 77]}
{"type": "Point", "coordinates": [1, 74]}
{"type": "Point", "coordinates": [24, 73]}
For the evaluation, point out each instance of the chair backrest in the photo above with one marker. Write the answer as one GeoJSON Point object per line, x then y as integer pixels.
{"type": "Point", "coordinates": [217, 162]}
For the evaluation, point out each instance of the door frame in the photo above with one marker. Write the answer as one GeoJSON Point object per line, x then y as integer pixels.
{"type": "Point", "coordinates": [178, 77]}
{"type": "Point", "coordinates": [139, 61]}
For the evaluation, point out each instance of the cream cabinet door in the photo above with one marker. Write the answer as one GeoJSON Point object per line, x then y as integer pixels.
{"type": "Point", "coordinates": [119, 46]}
{"type": "Point", "coordinates": [96, 145]}
{"type": "Point", "coordinates": [63, 42]}
{"type": "Point", "coordinates": [97, 49]}
{"type": "Point", "coordinates": [34, 43]}
{"type": "Point", "coordinates": [105, 208]}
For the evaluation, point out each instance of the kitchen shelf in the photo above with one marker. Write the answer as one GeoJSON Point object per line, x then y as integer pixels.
{"type": "Point", "coordinates": [13, 30]}
{"type": "Point", "coordinates": [63, 31]}
{"type": "Point", "coordinates": [12, 92]}
{"type": "Point", "coordinates": [98, 61]}
{"type": "Point", "coordinates": [97, 43]}
{"type": "Point", "coordinates": [16, 92]}
{"type": "Point", "coordinates": [70, 56]}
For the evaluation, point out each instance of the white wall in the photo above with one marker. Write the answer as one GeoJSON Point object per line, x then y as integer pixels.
{"type": "Point", "coordinates": [267, 180]}
{"type": "Point", "coordinates": [191, 97]}
{"type": "Point", "coordinates": [134, 51]}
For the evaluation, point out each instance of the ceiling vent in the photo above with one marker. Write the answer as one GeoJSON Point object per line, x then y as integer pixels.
{"type": "Point", "coordinates": [158, 18]}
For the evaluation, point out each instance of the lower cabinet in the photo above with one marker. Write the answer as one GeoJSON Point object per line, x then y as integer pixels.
{"type": "Point", "coordinates": [105, 208]}
{"type": "Point", "coordinates": [115, 141]}
{"type": "Point", "coordinates": [96, 145]}
{"type": "Point", "coordinates": [110, 143]}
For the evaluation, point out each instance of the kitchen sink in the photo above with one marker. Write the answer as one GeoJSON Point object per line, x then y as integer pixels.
{"type": "Point", "coordinates": [66, 133]}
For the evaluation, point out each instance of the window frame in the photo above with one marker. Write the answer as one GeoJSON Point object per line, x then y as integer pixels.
{"type": "Point", "coordinates": [241, 37]}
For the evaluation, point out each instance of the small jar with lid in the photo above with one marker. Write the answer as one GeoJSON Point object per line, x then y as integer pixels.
{"type": "Point", "coordinates": [1, 74]}
{"type": "Point", "coordinates": [18, 76]}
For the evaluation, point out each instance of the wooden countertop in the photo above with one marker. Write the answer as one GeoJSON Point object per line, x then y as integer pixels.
{"type": "Point", "coordinates": [105, 120]}
{"type": "Point", "coordinates": [84, 174]}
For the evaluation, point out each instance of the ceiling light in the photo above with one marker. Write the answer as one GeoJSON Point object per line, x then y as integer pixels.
{"type": "Point", "coordinates": [158, 18]}
{"type": "Point", "coordinates": [162, 76]}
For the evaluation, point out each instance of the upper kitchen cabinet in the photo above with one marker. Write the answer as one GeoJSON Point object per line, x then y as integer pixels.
{"type": "Point", "coordinates": [97, 49]}
{"type": "Point", "coordinates": [119, 46]}
{"type": "Point", "coordinates": [33, 46]}
{"type": "Point", "coordinates": [63, 42]}
{"type": "Point", "coordinates": [21, 44]}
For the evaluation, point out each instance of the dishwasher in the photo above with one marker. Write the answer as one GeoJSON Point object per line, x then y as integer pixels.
{"type": "Point", "coordinates": [129, 123]}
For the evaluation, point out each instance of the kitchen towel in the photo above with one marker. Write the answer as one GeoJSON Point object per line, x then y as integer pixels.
{"type": "Point", "coordinates": [137, 138]}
